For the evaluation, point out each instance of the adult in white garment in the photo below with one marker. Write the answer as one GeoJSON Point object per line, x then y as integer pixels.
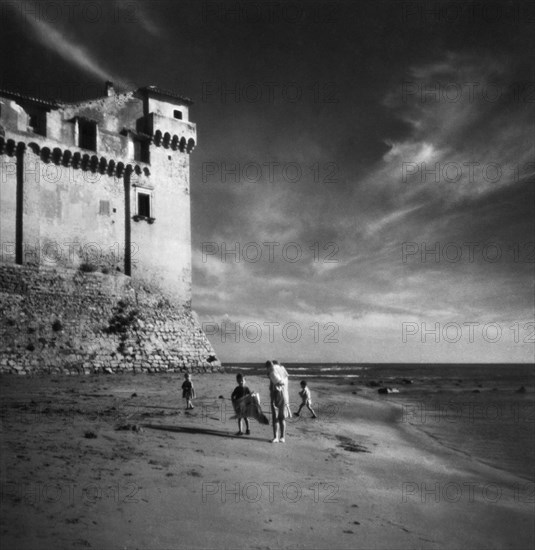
{"type": "Point", "coordinates": [280, 401]}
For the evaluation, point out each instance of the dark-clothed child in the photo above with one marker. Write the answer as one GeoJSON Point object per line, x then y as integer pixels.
{"type": "Point", "coordinates": [240, 391]}
{"type": "Point", "coordinates": [188, 391]}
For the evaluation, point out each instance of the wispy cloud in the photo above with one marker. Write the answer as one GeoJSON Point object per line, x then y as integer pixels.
{"type": "Point", "coordinates": [142, 15]}
{"type": "Point", "coordinates": [69, 49]}
{"type": "Point", "coordinates": [461, 109]}
{"type": "Point", "coordinates": [393, 217]}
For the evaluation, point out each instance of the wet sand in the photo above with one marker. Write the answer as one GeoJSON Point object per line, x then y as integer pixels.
{"type": "Point", "coordinates": [357, 477]}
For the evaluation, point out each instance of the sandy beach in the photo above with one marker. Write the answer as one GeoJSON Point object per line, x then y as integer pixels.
{"type": "Point", "coordinates": [115, 462]}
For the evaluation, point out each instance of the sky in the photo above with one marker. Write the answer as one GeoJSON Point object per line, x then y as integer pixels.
{"type": "Point", "coordinates": [362, 188]}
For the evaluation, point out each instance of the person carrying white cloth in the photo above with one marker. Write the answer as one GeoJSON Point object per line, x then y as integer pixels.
{"type": "Point", "coordinates": [279, 397]}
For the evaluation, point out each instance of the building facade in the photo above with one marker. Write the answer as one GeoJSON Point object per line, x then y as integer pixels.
{"type": "Point", "coordinates": [97, 193]}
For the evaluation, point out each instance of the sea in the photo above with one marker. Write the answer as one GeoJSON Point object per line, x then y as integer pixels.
{"type": "Point", "coordinates": [485, 411]}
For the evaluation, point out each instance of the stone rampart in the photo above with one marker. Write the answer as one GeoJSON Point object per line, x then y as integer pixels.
{"type": "Point", "coordinates": [59, 320]}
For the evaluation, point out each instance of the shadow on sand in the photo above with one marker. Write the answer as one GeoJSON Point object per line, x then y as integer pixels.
{"type": "Point", "coordinates": [205, 431]}
{"type": "Point", "coordinates": [142, 406]}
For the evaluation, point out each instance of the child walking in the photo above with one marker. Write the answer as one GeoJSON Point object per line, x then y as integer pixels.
{"type": "Point", "coordinates": [240, 391]}
{"type": "Point", "coordinates": [306, 399]}
{"type": "Point", "coordinates": [188, 391]}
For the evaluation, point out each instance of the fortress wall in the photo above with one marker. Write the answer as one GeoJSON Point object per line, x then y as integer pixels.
{"type": "Point", "coordinates": [161, 252]}
{"type": "Point", "coordinates": [69, 216]}
{"type": "Point", "coordinates": [8, 206]}
{"type": "Point", "coordinates": [79, 214]}
{"type": "Point", "coordinates": [58, 320]}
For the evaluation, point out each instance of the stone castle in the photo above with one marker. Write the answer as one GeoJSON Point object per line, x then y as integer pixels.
{"type": "Point", "coordinates": [95, 258]}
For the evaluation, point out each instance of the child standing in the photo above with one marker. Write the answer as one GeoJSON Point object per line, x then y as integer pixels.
{"type": "Point", "coordinates": [241, 390]}
{"type": "Point", "coordinates": [306, 399]}
{"type": "Point", "coordinates": [188, 391]}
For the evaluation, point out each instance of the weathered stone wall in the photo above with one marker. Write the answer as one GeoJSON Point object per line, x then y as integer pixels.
{"type": "Point", "coordinates": [63, 224]}
{"type": "Point", "coordinates": [58, 320]}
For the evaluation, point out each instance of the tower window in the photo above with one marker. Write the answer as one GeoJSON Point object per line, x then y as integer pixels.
{"type": "Point", "coordinates": [144, 210]}
{"type": "Point", "coordinates": [143, 205]}
{"type": "Point", "coordinates": [177, 114]}
{"type": "Point", "coordinates": [37, 122]}
{"type": "Point", "coordinates": [141, 151]}
{"type": "Point", "coordinates": [87, 134]}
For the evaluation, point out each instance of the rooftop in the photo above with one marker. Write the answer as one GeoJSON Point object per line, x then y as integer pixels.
{"type": "Point", "coordinates": [155, 90]}
{"type": "Point", "coordinates": [56, 104]}
{"type": "Point", "coordinates": [53, 104]}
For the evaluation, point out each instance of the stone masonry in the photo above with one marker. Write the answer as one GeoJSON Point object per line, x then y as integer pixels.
{"type": "Point", "coordinates": [57, 320]}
